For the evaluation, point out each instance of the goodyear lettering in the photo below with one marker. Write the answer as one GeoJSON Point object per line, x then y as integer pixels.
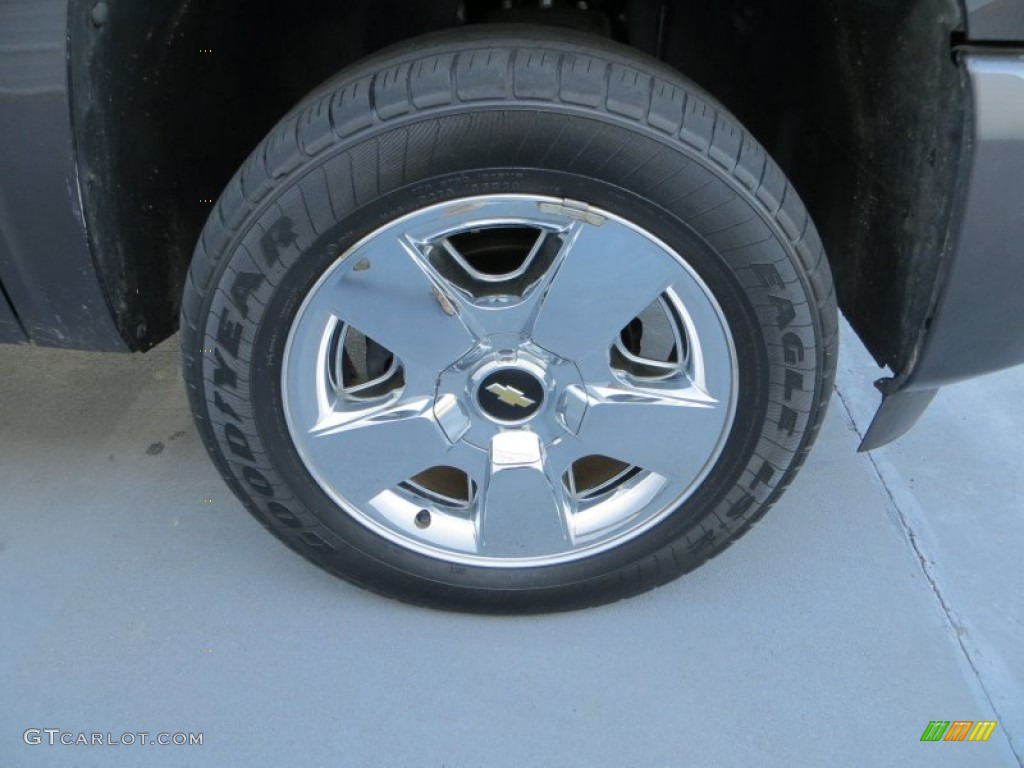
{"type": "Point", "coordinates": [792, 348]}
{"type": "Point", "coordinates": [702, 542]}
{"type": "Point", "coordinates": [237, 441]}
{"type": "Point", "coordinates": [767, 275]}
{"type": "Point", "coordinates": [282, 514]}
{"type": "Point", "coordinates": [787, 420]}
{"type": "Point", "coordinates": [313, 540]}
{"type": "Point", "coordinates": [221, 404]}
{"type": "Point", "coordinates": [280, 234]}
{"type": "Point", "coordinates": [245, 283]}
{"type": "Point", "coordinates": [764, 474]}
{"type": "Point", "coordinates": [793, 380]}
{"type": "Point", "coordinates": [229, 333]}
{"type": "Point", "coordinates": [785, 313]}
{"type": "Point", "coordinates": [742, 506]}
{"type": "Point", "coordinates": [257, 481]}
{"type": "Point", "coordinates": [229, 338]}
{"type": "Point", "coordinates": [222, 374]}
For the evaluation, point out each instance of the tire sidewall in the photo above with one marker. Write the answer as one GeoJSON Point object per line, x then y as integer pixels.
{"type": "Point", "coordinates": [280, 255]}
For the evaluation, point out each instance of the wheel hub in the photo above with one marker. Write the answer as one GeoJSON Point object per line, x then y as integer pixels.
{"type": "Point", "coordinates": [507, 383]}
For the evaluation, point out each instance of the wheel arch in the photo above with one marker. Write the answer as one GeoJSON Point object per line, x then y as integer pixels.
{"type": "Point", "coordinates": [170, 96]}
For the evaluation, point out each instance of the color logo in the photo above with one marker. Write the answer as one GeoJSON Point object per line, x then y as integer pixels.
{"type": "Point", "coordinates": [958, 730]}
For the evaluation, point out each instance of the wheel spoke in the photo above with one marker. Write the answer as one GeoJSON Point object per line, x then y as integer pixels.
{"type": "Point", "coordinates": [672, 433]}
{"type": "Point", "coordinates": [606, 278]}
{"type": "Point", "coordinates": [389, 296]}
{"type": "Point", "coordinates": [524, 512]}
{"type": "Point", "coordinates": [362, 455]}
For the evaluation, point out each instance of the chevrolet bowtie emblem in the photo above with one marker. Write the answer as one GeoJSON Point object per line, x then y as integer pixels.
{"type": "Point", "coordinates": [509, 395]}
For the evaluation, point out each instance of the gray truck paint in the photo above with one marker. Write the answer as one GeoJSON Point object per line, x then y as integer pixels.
{"type": "Point", "coordinates": [978, 323]}
{"type": "Point", "coordinates": [995, 20]}
{"type": "Point", "coordinates": [46, 267]}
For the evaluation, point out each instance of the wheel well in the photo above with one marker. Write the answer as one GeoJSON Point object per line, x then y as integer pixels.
{"type": "Point", "coordinates": [861, 104]}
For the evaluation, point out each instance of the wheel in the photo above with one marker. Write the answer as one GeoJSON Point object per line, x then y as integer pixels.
{"type": "Point", "coordinates": [508, 321]}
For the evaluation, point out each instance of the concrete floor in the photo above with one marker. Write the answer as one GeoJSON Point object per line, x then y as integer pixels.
{"type": "Point", "coordinates": [136, 594]}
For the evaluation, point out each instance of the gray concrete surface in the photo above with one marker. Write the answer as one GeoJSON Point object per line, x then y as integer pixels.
{"type": "Point", "coordinates": [136, 594]}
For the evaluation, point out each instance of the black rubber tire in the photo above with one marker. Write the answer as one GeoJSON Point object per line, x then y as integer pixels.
{"type": "Point", "coordinates": [508, 109]}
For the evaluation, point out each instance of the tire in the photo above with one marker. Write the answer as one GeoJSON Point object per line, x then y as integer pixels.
{"type": "Point", "coordinates": [560, 142]}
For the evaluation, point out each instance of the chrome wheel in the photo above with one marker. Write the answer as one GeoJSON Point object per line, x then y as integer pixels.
{"type": "Point", "coordinates": [509, 381]}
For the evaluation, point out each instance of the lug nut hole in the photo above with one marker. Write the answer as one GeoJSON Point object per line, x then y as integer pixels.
{"type": "Point", "coordinates": [422, 519]}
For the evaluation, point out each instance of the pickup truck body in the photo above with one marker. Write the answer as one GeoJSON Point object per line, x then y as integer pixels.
{"type": "Point", "coordinates": [923, 217]}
